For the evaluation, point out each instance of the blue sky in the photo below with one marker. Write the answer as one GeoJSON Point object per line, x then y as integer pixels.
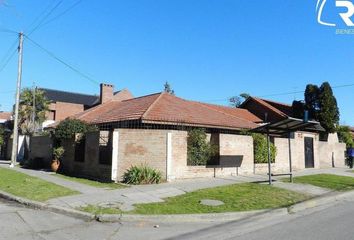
{"type": "Point", "coordinates": [208, 50]}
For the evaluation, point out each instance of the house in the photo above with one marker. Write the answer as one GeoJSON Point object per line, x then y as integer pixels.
{"type": "Point", "coordinates": [267, 110]}
{"type": "Point", "coordinates": [153, 129]}
{"type": "Point", "coordinates": [5, 118]}
{"type": "Point", "coordinates": [309, 149]}
{"type": "Point", "coordinates": [64, 104]}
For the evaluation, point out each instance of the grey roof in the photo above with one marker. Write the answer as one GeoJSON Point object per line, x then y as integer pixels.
{"type": "Point", "coordinates": [70, 97]}
{"type": "Point", "coordinates": [289, 125]}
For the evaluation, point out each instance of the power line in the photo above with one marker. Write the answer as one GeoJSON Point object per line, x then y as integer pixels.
{"type": "Point", "coordinates": [281, 94]}
{"type": "Point", "coordinates": [63, 13]}
{"type": "Point", "coordinates": [51, 54]}
{"type": "Point", "coordinates": [45, 18]}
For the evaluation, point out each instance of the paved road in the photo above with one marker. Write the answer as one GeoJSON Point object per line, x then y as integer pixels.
{"type": "Point", "coordinates": [335, 222]}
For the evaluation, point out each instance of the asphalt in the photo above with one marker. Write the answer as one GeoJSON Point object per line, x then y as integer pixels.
{"type": "Point", "coordinates": [125, 198]}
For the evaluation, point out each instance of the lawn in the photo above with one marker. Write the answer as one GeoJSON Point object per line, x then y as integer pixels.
{"type": "Point", "coordinates": [237, 197]}
{"type": "Point", "coordinates": [32, 188]}
{"type": "Point", "coordinates": [330, 181]}
{"type": "Point", "coordinates": [109, 185]}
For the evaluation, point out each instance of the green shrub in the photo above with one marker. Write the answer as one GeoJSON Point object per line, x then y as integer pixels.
{"type": "Point", "coordinates": [142, 175]}
{"type": "Point", "coordinates": [260, 149]}
{"type": "Point", "coordinates": [58, 153]}
{"type": "Point", "coordinates": [67, 129]}
{"type": "Point", "coordinates": [199, 150]}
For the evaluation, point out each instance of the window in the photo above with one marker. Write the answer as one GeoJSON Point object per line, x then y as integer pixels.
{"type": "Point", "coordinates": [105, 148]}
{"type": "Point", "coordinates": [80, 150]}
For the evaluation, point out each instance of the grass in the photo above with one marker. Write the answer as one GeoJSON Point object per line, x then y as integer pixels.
{"type": "Point", "coordinates": [237, 197]}
{"type": "Point", "coordinates": [330, 181]}
{"type": "Point", "coordinates": [97, 210]}
{"type": "Point", "coordinates": [109, 185]}
{"type": "Point", "coordinates": [23, 185]}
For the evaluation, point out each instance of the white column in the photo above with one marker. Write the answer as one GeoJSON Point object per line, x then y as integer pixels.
{"type": "Point", "coordinates": [169, 176]}
{"type": "Point", "coordinates": [115, 145]}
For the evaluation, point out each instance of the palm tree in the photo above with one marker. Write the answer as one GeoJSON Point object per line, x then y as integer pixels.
{"type": "Point", "coordinates": [32, 110]}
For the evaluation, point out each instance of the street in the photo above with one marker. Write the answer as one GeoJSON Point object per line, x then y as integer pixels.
{"type": "Point", "coordinates": [331, 222]}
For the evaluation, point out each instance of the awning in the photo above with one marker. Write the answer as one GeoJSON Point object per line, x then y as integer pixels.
{"type": "Point", "coordinates": [289, 125]}
{"type": "Point", "coordinates": [281, 128]}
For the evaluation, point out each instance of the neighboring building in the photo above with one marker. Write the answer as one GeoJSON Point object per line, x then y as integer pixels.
{"type": "Point", "coordinates": [153, 129]}
{"type": "Point", "coordinates": [311, 150]}
{"type": "Point", "coordinates": [268, 111]}
{"type": "Point", "coordinates": [5, 117]}
{"type": "Point", "coordinates": [64, 104]}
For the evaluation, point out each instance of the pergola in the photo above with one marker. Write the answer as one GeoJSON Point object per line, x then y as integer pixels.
{"type": "Point", "coordinates": [286, 127]}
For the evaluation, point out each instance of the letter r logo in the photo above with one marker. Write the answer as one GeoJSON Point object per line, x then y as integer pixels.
{"type": "Point", "coordinates": [346, 16]}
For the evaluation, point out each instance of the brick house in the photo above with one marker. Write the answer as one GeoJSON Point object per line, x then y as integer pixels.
{"type": "Point", "coordinates": [263, 108]}
{"type": "Point", "coordinates": [310, 149]}
{"type": "Point", "coordinates": [64, 104]}
{"type": "Point", "coordinates": [153, 129]}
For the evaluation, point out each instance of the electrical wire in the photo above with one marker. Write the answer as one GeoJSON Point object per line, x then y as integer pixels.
{"type": "Point", "coordinates": [51, 54]}
{"type": "Point", "coordinates": [63, 12]}
{"type": "Point", "coordinates": [40, 24]}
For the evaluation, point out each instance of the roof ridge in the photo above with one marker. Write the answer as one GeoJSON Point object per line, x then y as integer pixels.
{"type": "Point", "coordinates": [131, 99]}
{"type": "Point", "coordinates": [152, 104]}
{"type": "Point", "coordinates": [274, 109]}
{"type": "Point", "coordinates": [85, 94]}
{"type": "Point", "coordinates": [267, 100]}
{"type": "Point", "coordinates": [223, 112]}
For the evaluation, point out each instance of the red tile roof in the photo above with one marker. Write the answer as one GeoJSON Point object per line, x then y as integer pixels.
{"type": "Point", "coordinates": [168, 109]}
{"type": "Point", "coordinates": [5, 115]}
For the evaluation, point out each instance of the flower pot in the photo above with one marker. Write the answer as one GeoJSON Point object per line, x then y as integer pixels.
{"type": "Point", "coordinates": [55, 165]}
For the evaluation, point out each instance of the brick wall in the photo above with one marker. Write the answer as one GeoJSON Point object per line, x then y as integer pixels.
{"type": "Point", "coordinates": [91, 166]}
{"type": "Point", "coordinates": [140, 146]}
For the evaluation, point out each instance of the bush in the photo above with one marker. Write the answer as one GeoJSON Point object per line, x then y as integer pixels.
{"type": "Point", "coordinates": [142, 175]}
{"type": "Point", "coordinates": [199, 150]}
{"type": "Point", "coordinates": [58, 153]}
{"type": "Point", "coordinates": [260, 149]}
{"type": "Point", "coordinates": [67, 128]}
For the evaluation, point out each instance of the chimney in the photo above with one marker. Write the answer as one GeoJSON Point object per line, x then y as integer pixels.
{"type": "Point", "coordinates": [106, 92]}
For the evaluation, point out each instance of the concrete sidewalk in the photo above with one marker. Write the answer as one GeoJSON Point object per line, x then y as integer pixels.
{"type": "Point", "coordinates": [125, 198]}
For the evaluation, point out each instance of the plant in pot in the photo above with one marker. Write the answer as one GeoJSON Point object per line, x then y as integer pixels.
{"type": "Point", "coordinates": [57, 153]}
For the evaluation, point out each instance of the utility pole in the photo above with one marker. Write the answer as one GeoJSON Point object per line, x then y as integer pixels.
{"type": "Point", "coordinates": [34, 108]}
{"type": "Point", "coordinates": [18, 89]}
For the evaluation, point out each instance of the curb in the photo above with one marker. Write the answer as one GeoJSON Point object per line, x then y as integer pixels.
{"type": "Point", "coordinates": [331, 198]}
{"type": "Point", "coordinates": [207, 217]}
{"type": "Point", "coordinates": [49, 207]}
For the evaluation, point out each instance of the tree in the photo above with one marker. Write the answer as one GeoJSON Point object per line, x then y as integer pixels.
{"type": "Point", "coordinates": [67, 129]}
{"type": "Point", "coordinates": [31, 117]}
{"type": "Point", "coordinates": [298, 108]}
{"type": "Point", "coordinates": [344, 135]}
{"type": "Point", "coordinates": [245, 95]}
{"type": "Point", "coordinates": [236, 101]}
{"type": "Point", "coordinates": [168, 89]}
{"type": "Point", "coordinates": [328, 115]}
{"type": "Point", "coordinates": [312, 104]}
{"type": "Point", "coordinates": [321, 105]}
{"type": "Point", "coordinates": [2, 132]}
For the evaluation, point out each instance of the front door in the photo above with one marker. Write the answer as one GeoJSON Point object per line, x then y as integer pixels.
{"type": "Point", "coordinates": [309, 157]}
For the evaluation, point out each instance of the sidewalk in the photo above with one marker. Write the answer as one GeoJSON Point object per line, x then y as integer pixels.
{"type": "Point", "coordinates": [125, 198]}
